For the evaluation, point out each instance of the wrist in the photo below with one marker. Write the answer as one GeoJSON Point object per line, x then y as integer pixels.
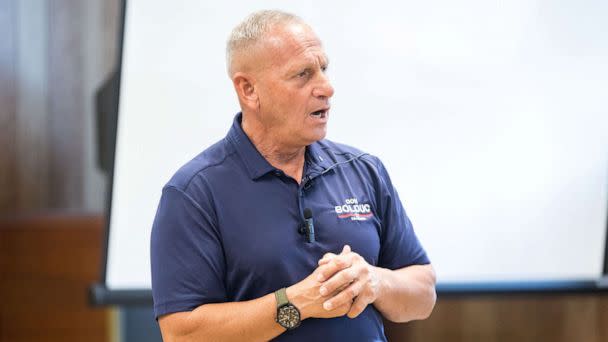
{"type": "Point", "coordinates": [296, 300]}
{"type": "Point", "coordinates": [382, 275]}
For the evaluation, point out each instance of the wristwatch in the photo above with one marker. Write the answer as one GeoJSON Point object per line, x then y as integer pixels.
{"type": "Point", "coordinates": [288, 316]}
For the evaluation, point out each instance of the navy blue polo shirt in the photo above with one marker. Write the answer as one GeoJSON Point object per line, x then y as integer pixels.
{"type": "Point", "coordinates": [227, 229]}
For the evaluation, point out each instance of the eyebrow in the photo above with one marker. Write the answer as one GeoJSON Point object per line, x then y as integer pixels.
{"type": "Point", "coordinates": [308, 65]}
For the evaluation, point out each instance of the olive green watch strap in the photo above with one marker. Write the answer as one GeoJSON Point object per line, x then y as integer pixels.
{"type": "Point", "coordinates": [281, 296]}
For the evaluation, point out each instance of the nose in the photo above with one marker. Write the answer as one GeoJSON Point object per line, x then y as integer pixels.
{"type": "Point", "coordinates": [324, 88]}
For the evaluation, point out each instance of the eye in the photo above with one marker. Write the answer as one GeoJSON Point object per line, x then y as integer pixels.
{"type": "Point", "coordinates": [304, 73]}
{"type": "Point", "coordinates": [324, 68]}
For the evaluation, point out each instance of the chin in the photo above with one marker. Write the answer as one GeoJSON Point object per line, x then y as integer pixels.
{"type": "Point", "coordinates": [316, 136]}
{"type": "Point", "coordinates": [308, 136]}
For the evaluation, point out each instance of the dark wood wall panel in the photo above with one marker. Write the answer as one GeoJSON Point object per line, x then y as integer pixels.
{"type": "Point", "coordinates": [48, 74]}
{"type": "Point", "coordinates": [555, 318]}
{"type": "Point", "coordinates": [31, 127]}
{"type": "Point", "coordinates": [110, 23]}
{"type": "Point", "coordinates": [602, 318]}
{"type": "Point", "coordinates": [47, 264]}
{"type": "Point", "coordinates": [8, 98]}
{"type": "Point", "coordinates": [66, 102]}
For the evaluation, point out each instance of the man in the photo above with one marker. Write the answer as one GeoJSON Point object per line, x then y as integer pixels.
{"type": "Point", "coordinates": [274, 232]}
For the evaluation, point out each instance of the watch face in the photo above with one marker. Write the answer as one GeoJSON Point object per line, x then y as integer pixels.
{"type": "Point", "coordinates": [288, 316]}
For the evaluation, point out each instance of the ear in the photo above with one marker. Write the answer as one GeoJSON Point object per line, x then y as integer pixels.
{"type": "Point", "coordinates": [245, 89]}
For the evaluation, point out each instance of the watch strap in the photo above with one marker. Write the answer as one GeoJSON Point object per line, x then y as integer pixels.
{"type": "Point", "coordinates": [281, 296]}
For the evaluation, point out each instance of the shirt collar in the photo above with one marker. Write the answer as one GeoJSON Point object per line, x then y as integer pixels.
{"type": "Point", "coordinates": [256, 164]}
{"type": "Point", "coordinates": [317, 157]}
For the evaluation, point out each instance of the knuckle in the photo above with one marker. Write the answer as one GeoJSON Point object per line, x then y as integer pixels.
{"type": "Point", "coordinates": [332, 290]}
{"type": "Point", "coordinates": [331, 287]}
{"type": "Point", "coordinates": [344, 262]}
{"type": "Point", "coordinates": [330, 268]}
{"type": "Point", "coordinates": [365, 271]}
{"type": "Point", "coordinates": [325, 270]}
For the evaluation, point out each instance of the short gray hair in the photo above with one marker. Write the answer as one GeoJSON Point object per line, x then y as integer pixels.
{"type": "Point", "coordinates": [252, 29]}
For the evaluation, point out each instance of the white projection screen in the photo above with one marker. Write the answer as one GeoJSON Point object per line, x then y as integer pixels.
{"type": "Point", "coordinates": [491, 117]}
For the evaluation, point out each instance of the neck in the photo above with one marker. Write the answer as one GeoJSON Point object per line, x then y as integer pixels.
{"type": "Point", "coordinates": [289, 159]}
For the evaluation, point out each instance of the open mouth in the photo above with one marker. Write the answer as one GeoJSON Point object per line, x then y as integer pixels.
{"type": "Point", "coordinates": [320, 113]}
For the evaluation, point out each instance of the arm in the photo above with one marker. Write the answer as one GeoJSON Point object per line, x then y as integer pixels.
{"type": "Point", "coordinates": [406, 294]}
{"type": "Point", "coordinates": [252, 320]}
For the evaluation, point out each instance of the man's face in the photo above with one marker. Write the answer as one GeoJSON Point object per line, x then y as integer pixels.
{"type": "Point", "coordinates": [292, 86]}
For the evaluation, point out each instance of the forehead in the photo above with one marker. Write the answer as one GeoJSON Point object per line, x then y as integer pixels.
{"type": "Point", "coordinates": [294, 44]}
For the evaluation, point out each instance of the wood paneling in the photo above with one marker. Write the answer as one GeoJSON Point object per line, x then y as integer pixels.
{"type": "Point", "coordinates": [602, 318]}
{"type": "Point", "coordinates": [555, 318]}
{"type": "Point", "coordinates": [99, 58]}
{"type": "Point", "coordinates": [109, 26]}
{"type": "Point", "coordinates": [7, 105]}
{"type": "Point", "coordinates": [66, 102]}
{"type": "Point", "coordinates": [47, 264]}
{"type": "Point", "coordinates": [31, 127]}
{"type": "Point", "coordinates": [53, 56]}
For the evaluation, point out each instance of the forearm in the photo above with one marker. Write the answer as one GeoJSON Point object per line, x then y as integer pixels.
{"type": "Point", "coordinates": [406, 294]}
{"type": "Point", "coordinates": [252, 320]}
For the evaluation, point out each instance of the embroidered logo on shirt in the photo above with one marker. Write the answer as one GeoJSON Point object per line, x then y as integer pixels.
{"type": "Point", "coordinates": [354, 210]}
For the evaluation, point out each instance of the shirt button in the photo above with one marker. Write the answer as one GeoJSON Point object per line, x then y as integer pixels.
{"type": "Point", "coordinates": [278, 173]}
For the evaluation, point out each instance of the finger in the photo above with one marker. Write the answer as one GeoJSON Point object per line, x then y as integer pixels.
{"type": "Point", "coordinates": [326, 258]}
{"type": "Point", "coordinates": [344, 308]}
{"type": "Point", "coordinates": [335, 265]}
{"type": "Point", "coordinates": [358, 307]}
{"type": "Point", "coordinates": [341, 278]}
{"type": "Point", "coordinates": [341, 288]}
{"type": "Point", "coordinates": [324, 261]}
{"type": "Point", "coordinates": [345, 296]}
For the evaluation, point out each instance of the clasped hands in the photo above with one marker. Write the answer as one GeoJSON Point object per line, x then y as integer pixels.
{"type": "Point", "coordinates": [341, 284]}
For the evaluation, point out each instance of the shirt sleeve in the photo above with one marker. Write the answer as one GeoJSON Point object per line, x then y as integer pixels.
{"type": "Point", "coordinates": [186, 254]}
{"type": "Point", "coordinates": [399, 245]}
